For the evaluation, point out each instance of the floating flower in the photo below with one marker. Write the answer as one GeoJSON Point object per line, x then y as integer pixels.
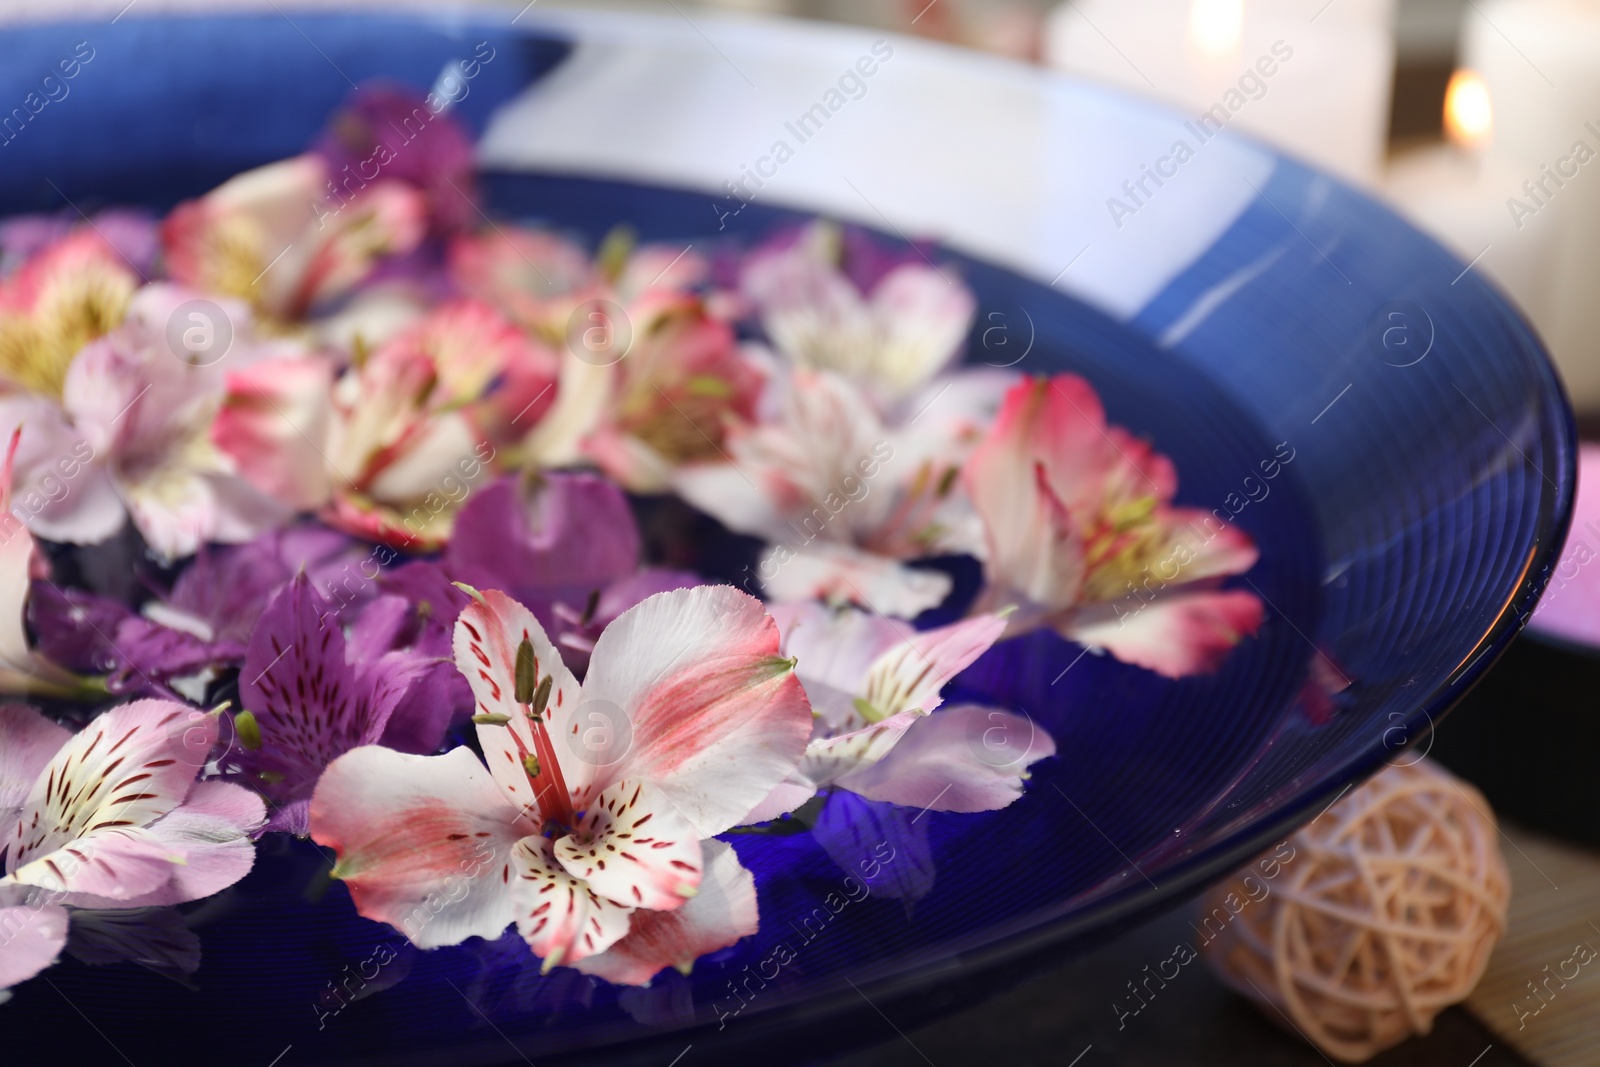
{"type": "Point", "coordinates": [845, 496]}
{"type": "Point", "coordinates": [389, 449]}
{"type": "Point", "coordinates": [566, 545]}
{"type": "Point", "coordinates": [874, 687]}
{"type": "Point", "coordinates": [291, 235]}
{"type": "Point", "coordinates": [1083, 537]}
{"type": "Point", "coordinates": [141, 417]}
{"type": "Point", "coordinates": [63, 297]}
{"type": "Point", "coordinates": [596, 799]}
{"type": "Point", "coordinates": [183, 640]}
{"type": "Point", "coordinates": [305, 702]}
{"type": "Point", "coordinates": [110, 817]}
{"type": "Point", "coordinates": [891, 338]}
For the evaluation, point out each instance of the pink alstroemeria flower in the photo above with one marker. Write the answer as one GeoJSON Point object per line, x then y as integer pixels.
{"type": "Point", "coordinates": [874, 686]}
{"type": "Point", "coordinates": [891, 340]}
{"type": "Point", "coordinates": [591, 814]}
{"type": "Point", "coordinates": [110, 817]}
{"type": "Point", "coordinates": [1083, 537]}
{"type": "Point", "coordinates": [285, 237]}
{"type": "Point", "coordinates": [646, 394]}
{"type": "Point", "coordinates": [390, 448]}
{"type": "Point", "coordinates": [846, 495]}
{"type": "Point", "coordinates": [65, 295]}
{"type": "Point", "coordinates": [132, 438]}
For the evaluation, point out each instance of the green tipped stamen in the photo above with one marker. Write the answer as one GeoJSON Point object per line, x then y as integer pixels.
{"type": "Point", "coordinates": [249, 731]}
{"type": "Point", "coordinates": [527, 674]}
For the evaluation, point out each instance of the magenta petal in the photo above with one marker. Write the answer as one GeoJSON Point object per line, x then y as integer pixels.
{"type": "Point", "coordinates": [572, 534]}
{"type": "Point", "coordinates": [311, 706]}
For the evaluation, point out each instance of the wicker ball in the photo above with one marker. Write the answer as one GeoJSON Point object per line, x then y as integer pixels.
{"type": "Point", "coordinates": [1383, 915]}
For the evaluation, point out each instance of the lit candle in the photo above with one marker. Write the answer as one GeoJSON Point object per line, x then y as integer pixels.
{"type": "Point", "coordinates": [1540, 63]}
{"type": "Point", "coordinates": [1326, 98]}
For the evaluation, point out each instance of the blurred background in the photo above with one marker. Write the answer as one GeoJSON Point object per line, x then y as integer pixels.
{"type": "Point", "coordinates": [1476, 119]}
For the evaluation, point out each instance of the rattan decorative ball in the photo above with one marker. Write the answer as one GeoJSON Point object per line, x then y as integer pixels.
{"type": "Point", "coordinates": [1375, 917]}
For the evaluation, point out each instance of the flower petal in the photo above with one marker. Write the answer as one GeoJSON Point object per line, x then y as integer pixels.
{"type": "Point", "coordinates": [842, 574]}
{"type": "Point", "coordinates": [124, 770]}
{"type": "Point", "coordinates": [33, 938]}
{"type": "Point", "coordinates": [311, 706]}
{"type": "Point", "coordinates": [1174, 635]}
{"type": "Point", "coordinates": [963, 758]}
{"type": "Point", "coordinates": [633, 848]}
{"type": "Point", "coordinates": [724, 911]}
{"type": "Point", "coordinates": [829, 759]}
{"type": "Point", "coordinates": [558, 915]}
{"type": "Point", "coordinates": [923, 317]}
{"type": "Point", "coordinates": [911, 674]}
{"type": "Point", "coordinates": [1032, 547]}
{"type": "Point", "coordinates": [212, 829]}
{"type": "Point", "coordinates": [424, 842]}
{"type": "Point", "coordinates": [571, 534]}
{"type": "Point", "coordinates": [274, 424]}
{"type": "Point", "coordinates": [27, 741]}
{"type": "Point", "coordinates": [487, 635]}
{"type": "Point", "coordinates": [718, 719]}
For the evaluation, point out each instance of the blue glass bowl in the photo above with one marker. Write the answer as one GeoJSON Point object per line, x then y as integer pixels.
{"type": "Point", "coordinates": [1251, 309]}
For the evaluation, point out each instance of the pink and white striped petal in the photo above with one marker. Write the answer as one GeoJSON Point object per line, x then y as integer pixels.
{"type": "Point", "coordinates": [718, 717]}
{"type": "Point", "coordinates": [487, 635]}
{"type": "Point", "coordinates": [844, 574]}
{"type": "Point", "coordinates": [723, 912]}
{"type": "Point", "coordinates": [560, 917]}
{"type": "Point", "coordinates": [829, 759]}
{"type": "Point", "coordinates": [118, 865]}
{"type": "Point", "coordinates": [424, 842]}
{"type": "Point", "coordinates": [963, 758]}
{"type": "Point", "coordinates": [213, 830]}
{"type": "Point", "coordinates": [633, 848]}
{"type": "Point", "coordinates": [1176, 635]}
{"type": "Point", "coordinates": [911, 674]}
{"type": "Point", "coordinates": [124, 770]}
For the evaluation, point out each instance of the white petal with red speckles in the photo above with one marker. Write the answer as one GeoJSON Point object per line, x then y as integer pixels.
{"type": "Point", "coordinates": [424, 842]}
{"type": "Point", "coordinates": [562, 919]}
{"type": "Point", "coordinates": [31, 937]}
{"type": "Point", "coordinates": [725, 911]}
{"type": "Point", "coordinates": [634, 848]}
{"type": "Point", "coordinates": [487, 634]}
{"type": "Point", "coordinates": [124, 770]}
{"type": "Point", "coordinates": [718, 718]}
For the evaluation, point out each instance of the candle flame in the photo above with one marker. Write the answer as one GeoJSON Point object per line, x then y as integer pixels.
{"type": "Point", "coordinates": [1468, 115]}
{"type": "Point", "coordinates": [1215, 26]}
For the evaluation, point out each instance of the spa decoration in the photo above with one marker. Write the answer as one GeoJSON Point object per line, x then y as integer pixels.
{"type": "Point", "coordinates": [1385, 916]}
{"type": "Point", "coordinates": [378, 524]}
